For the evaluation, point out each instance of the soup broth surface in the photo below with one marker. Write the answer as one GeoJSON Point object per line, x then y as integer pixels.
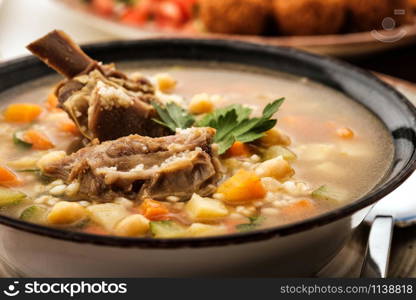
{"type": "Point", "coordinates": [340, 150]}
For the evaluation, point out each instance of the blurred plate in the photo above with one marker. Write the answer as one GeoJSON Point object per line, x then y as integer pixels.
{"type": "Point", "coordinates": [340, 45]}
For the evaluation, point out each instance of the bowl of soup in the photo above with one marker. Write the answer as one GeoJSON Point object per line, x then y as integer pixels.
{"type": "Point", "coordinates": [191, 158]}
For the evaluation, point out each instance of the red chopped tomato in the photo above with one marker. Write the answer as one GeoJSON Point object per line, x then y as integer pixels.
{"type": "Point", "coordinates": [103, 7]}
{"type": "Point", "coordinates": [136, 16]}
{"type": "Point", "coordinates": [169, 14]}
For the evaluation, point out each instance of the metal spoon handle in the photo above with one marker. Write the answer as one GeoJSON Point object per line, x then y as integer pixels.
{"type": "Point", "coordinates": [376, 261]}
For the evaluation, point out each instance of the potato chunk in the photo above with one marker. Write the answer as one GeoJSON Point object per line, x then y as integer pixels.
{"type": "Point", "coordinates": [66, 213]}
{"type": "Point", "coordinates": [198, 229]}
{"type": "Point", "coordinates": [277, 168]}
{"type": "Point", "coordinates": [107, 215]}
{"type": "Point", "coordinates": [133, 225]}
{"type": "Point", "coordinates": [205, 209]}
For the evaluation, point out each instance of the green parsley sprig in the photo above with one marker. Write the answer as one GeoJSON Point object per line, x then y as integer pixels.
{"type": "Point", "coordinates": [233, 122]}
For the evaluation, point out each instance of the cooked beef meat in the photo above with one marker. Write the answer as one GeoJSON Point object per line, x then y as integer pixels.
{"type": "Point", "coordinates": [104, 103]}
{"type": "Point", "coordinates": [137, 167]}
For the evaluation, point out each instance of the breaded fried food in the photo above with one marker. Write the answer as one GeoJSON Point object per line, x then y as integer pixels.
{"type": "Point", "coordinates": [309, 17]}
{"type": "Point", "coordinates": [234, 16]}
{"type": "Point", "coordinates": [413, 4]}
{"type": "Point", "coordinates": [366, 15]}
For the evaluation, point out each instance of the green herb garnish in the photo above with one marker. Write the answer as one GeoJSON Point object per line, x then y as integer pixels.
{"type": "Point", "coordinates": [233, 123]}
{"type": "Point", "coordinates": [173, 116]}
{"type": "Point", "coordinates": [254, 223]}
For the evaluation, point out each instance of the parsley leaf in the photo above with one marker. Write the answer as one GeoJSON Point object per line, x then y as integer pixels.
{"type": "Point", "coordinates": [254, 223]}
{"type": "Point", "coordinates": [173, 116]}
{"type": "Point", "coordinates": [233, 122]}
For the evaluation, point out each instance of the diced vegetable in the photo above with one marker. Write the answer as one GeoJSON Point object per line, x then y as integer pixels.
{"type": "Point", "coordinates": [69, 127]}
{"type": "Point", "coordinates": [51, 102]}
{"type": "Point", "coordinates": [254, 222]}
{"type": "Point", "coordinates": [107, 215]}
{"type": "Point", "coordinates": [275, 137]}
{"type": "Point", "coordinates": [276, 151]}
{"type": "Point", "coordinates": [22, 112]}
{"type": "Point", "coordinates": [10, 197]}
{"type": "Point", "coordinates": [298, 208]}
{"type": "Point", "coordinates": [242, 187]}
{"type": "Point", "coordinates": [326, 193]}
{"type": "Point", "coordinates": [153, 210]}
{"type": "Point", "coordinates": [35, 213]}
{"type": "Point", "coordinates": [277, 168]}
{"type": "Point", "coordinates": [66, 213]}
{"type": "Point", "coordinates": [133, 225]}
{"type": "Point", "coordinates": [205, 209]}
{"type": "Point", "coordinates": [18, 140]}
{"type": "Point", "coordinates": [198, 229]}
{"type": "Point", "coordinates": [345, 133]}
{"type": "Point", "coordinates": [8, 178]}
{"type": "Point", "coordinates": [167, 229]}
{"type": "Point", "coordinates": [239, 149]}
{"type": "Point", "coordinates": [37, 139]}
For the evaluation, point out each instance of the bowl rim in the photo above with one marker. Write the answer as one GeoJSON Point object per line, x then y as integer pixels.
{"type": "Point", "coordinates": [237, 238]}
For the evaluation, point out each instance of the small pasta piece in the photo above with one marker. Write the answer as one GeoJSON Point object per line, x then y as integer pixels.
{"type": "Point", "coordinates": [72, 189]}
{"type": "Point", "coordinates": [66, 213]}
{"type": "Point", "coordinates": [277, 168]}
{"type": "Point", "coordinates": [133, 225]}
{"type": "Point", "coordinates": [58, 190]}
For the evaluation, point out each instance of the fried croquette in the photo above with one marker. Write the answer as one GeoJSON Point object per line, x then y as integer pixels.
{"type": "Point", "coordinates": [235, 16]}
{"type": "Point", "coordinates": [366, 15]}
{"type": "Point", "coordinates": [309, 17]}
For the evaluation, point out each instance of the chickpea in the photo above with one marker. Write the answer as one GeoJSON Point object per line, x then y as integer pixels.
{"type": "Point", "coordinates": [165, 82]}
{"type": "Point", "coordinates": [133, 225]}
{"type": "Point", "coordinates": [201, 104]}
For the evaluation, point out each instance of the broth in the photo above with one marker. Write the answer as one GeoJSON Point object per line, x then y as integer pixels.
{"type": "Point", "coordinates": [338, 144]}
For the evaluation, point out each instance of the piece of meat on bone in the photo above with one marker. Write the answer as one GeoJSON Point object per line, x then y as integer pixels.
{"type": "Point", "coordinates": [103, 102]}
{"type": "Point", "coordinates": [137, 167]}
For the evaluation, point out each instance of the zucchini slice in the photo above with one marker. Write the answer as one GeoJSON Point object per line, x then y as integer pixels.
{"type": "Point", "coordinates": [35, 214]}
{"type": "Point", "coordinates": [167, 229]}
{"type": "Point", "coordinates": [10, 197]}
{"type": "Point", "coordinates": [19, 140]}
{"type": "Point", "coordinates": [276, 151]}
{"type": "Point", "coordinates": [329, 194]}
